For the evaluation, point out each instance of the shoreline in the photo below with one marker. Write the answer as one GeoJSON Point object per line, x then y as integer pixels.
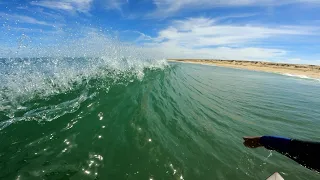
{"type": "Point", "coordinates": [296, 70]}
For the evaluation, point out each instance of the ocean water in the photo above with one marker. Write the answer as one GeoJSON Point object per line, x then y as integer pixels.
{"type": "Point", "coordinates": [101, 118]}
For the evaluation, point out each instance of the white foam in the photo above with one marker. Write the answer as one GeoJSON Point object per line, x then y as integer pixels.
{"type": "Point", "coordinates": [300, 76]}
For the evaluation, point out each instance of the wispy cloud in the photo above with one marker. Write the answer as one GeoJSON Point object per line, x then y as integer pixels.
{"type": "Point", "coordinates": [24, 19]}
{"type": "Point", "coordinates": [138, 36]}
{"type": "Point", "coordinates": [82, 6]}
{"type": "Point", "coordinates": [50, 15]}
{"type": "Point", "coordinates": [115, 4]}
{"type": "Point", "coordinates": [208, 38]}
{"type": "Point", "coordinates": [173, 50]}
{"type": "Point", "coordinates": [169, 7]}
{"type": "Point", "coordinates": [199, 32]}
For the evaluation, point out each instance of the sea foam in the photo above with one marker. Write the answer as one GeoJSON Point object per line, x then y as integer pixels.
{"type": "Point", "coordinates": [300, 76]}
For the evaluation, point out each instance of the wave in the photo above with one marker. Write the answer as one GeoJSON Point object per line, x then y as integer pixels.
{"type": "Point", "coordinates": [300, 76]}
{"type": "Point", "coordinates": [177, 121]}
{"type": "Point", "coordinates": [31, 83]}
{"type": "Point", "coordinates": [25, 82]}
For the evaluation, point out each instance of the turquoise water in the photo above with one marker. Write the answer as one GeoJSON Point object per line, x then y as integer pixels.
{"type": "Point", "coordinates": [76, 120]}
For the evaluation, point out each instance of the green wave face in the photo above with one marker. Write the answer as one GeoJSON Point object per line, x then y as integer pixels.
{"type": "Point", "coordinates": [95, 118]}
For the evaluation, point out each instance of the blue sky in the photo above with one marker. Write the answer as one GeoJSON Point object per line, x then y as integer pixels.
{"type": "Point", "coordinates": [272, 30]}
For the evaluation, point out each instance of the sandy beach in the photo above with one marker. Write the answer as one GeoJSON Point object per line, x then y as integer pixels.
{"type": "Point", "coordinates": [299, 70]}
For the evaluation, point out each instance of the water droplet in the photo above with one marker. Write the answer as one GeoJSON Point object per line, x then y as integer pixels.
{"type": "Point", "coordinates": [100, 115]}
{"type": "Point", "coordinates": [90, 164]}
{"type": "Point", "coordinates": [18, 178]}
{"type": "Point", "coordinates": [98, 157]}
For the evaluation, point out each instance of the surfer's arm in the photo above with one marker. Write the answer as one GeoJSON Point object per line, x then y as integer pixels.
{"type": "Point", "coordinates": [304, 152]}
{"type": "Point", "coordinates": [278, 144]}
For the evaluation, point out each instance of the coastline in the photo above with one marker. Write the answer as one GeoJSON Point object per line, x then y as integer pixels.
{"type": "Point", "coordinates": [296, 70]}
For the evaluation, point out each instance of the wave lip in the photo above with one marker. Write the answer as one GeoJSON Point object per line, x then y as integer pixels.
{"type": "Point", "coordinates": [48, 84]}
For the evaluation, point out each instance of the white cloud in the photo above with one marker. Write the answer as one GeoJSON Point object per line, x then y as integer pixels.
{"type": "Point", "coordinates": [93, 42]}
{"type": "Point", "coordinates": [83, 6]}
{"type": "Point", "coordinates": [24, 19]}
{"type": "Point", "coordinates": [166, 8]}
{"type": "Point", "coordinates": [207, 38]}
{"type": "Point", "coordinates": [54, 5]}
{"type": "Point", "coordinates": [199, 32]}
{"type": "Point", "coordinates": [115, 4]}
{"type": "Point", "coordinates": [172, 50]}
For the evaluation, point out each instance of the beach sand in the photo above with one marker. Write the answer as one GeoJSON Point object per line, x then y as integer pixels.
{"type": "Point", "coordinates": [299, 70]}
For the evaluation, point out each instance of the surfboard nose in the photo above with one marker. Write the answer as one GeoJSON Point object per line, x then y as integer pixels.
{"type": "Point", "coordinates": [275, 176]}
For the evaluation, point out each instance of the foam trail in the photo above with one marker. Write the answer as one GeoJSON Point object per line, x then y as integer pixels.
{"type": "Point", "coordinates": [300, 76]}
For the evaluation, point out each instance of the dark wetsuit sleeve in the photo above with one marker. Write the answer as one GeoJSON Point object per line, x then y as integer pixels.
{"type": "Point", "coordinates": [304, 152]}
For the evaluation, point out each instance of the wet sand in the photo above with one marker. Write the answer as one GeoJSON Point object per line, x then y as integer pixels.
{"type": "Point", "coordinates": [299, 70]}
